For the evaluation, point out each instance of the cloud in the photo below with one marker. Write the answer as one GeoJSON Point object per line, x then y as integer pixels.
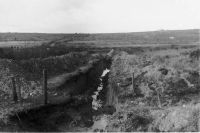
{"type": "Point", "coordinates": [97, 15]}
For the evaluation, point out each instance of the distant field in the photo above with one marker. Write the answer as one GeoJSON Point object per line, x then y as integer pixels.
{"type": "Point", "coordinates": [163, 37]}
{"type": "Point", "coordinates": [122, 44]}
{"type": "Point", "coordinates": [20, 43]}
{"type": "Point", "coordinates": [32, 36]}
{"type": "Point", "coordinates": [101, 44]}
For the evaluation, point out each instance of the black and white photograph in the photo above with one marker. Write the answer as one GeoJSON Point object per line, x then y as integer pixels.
{"type": "Point", "coordinates": [99, 65]}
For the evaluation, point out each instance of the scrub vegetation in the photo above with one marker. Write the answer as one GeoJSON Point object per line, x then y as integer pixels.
{"type": "Point", "coordinates": [166, 84]}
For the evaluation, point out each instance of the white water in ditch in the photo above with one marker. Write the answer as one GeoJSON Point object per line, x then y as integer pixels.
{"type": "Point", "coordinates": [101, 121]}
{"type": "Point", "coordinates": [97, 103]}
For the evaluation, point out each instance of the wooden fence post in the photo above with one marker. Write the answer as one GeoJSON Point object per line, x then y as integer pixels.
{"type": "Point", "coordinates": [133, 82]}
{"type": "Point", "coordinates": [19, 90]}
{"type": "Point", "coordinates": [159, 102]}
{"type": "Point", "coordinates": [14, 89]}
{"type": "Point", "coordinates": [45, 85]}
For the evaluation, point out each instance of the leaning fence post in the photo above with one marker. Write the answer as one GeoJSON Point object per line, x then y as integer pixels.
{"type": "Point", "coordinates": [45, 85]}
{"type": "Point", "coordinates": [14, 89]}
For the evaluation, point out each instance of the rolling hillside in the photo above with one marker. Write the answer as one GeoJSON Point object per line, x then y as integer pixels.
{"type": "Point", "coordinates": [152, 37]}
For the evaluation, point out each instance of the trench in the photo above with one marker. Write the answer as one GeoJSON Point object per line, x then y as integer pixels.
{"type": "Point", "coordinates": [85, 111]}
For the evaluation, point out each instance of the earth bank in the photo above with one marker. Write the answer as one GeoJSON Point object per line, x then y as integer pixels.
{"type": "Point", "coordinates": [164, 96]}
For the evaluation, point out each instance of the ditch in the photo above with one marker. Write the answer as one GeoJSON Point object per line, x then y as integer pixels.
{"type": "Point", "coordinates": [85, 111]}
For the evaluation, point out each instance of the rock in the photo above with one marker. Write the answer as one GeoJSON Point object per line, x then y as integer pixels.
{"type": "Point", "coordinates": [138, 92]}
{"type": "Point", "coordinates": [164, 71]}
{"type": "Point", "coordinates": [137, 123]}
{"type": "Point", "coordinates": [129, 79]}
{"type": "Point", "coordinates": [109, 109]}
{"type": "Point", "coordinates": [88, 123]}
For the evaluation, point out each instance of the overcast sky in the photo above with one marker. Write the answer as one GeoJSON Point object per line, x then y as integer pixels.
{"type": "Point", "coordinates": [97, 16]}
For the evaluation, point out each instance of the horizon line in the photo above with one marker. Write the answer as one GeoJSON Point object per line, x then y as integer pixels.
{"type": "Point", "coordinates": [100, 32]}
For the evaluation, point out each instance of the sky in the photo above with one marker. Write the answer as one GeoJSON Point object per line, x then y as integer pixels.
{"type": "Point", "coordinates": [98, 16]}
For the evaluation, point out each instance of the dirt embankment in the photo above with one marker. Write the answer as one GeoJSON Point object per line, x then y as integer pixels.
{"type": "Point", "coordinates": [164, 96]}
